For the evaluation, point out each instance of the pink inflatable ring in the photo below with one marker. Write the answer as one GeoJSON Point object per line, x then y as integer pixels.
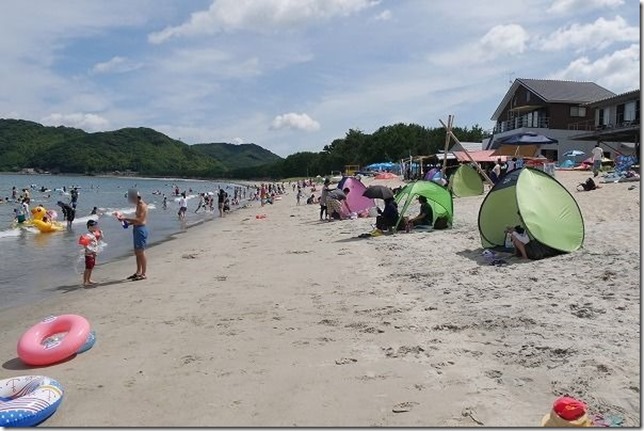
{"type": "Point", "coordinates": [54, 339]}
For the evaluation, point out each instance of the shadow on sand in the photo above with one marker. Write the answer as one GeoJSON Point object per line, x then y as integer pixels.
{"type": "Point", "coordinates": [16, 364]}
{"type": "Point", "coordinates": [477, 257]}
{"type": "Point", "coordinates": [79, 286]}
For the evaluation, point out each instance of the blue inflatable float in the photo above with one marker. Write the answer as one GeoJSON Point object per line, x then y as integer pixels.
{"type": "Point", "coordinates": [26, 401]}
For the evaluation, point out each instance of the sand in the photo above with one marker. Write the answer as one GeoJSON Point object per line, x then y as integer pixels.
{"type": "Point", "coordinates": [290, 321]}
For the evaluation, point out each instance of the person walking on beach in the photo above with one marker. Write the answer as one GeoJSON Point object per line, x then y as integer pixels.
{"type": "Point", "coordinates": [323, 198]}
{"type": "Point", "coordinates": [139, 234]}
{"type": "Point", "coordinates": [221, 199]}
{"type": "Point", "coordinates": [183, 206]}
{"type": "Point", "coordinates": [299, 195]}
{"type": "Point", "coordinates": [598, 153]}
{"type": "Point", "coordinates": [496, 171]}
{"type": "Point", "coordinates": [91, 250]}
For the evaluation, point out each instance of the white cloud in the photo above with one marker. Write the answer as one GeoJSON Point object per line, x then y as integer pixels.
{"type": "Point", "coordinates": [383, 16]}
{"type": "Point", "coordinates": [116, 65]}
{"type": "Point", "coordinates": [87, 122]}
{"type": "Point", "coordinates": [238, 141]}
{"type": "Point", "coordinates": [296, 122]}
{"type": "Point", "coordinates": [500, 41]}
{"type": "Point", "coordinates": [618, 71]}
{"type": "Point", "coordinates": [229, 15]}
{"type": "Point", "coordinates": [568, 6]}
{"type": "Point", "coordinates": [506, 39]}
{"type": "Point", "coordinates": [597, 35]}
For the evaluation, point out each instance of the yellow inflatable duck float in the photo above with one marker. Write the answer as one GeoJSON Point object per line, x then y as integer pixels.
{"type": "Point", "coordinates": [42, 220]}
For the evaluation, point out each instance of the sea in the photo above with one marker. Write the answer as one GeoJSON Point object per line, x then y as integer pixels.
{"type": "Point", "coordinates": [35, 265]}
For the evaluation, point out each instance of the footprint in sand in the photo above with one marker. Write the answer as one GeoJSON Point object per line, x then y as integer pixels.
{"type": "Point", "coordinates": [407, 406]}
{"type": "Point", "coordinates": [345, 361]}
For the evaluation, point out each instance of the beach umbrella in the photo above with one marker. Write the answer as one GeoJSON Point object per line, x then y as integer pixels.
{"type": "Point", "coordinates": [527, 138]}
{"type": "Point", "coordinates": [378, 192]}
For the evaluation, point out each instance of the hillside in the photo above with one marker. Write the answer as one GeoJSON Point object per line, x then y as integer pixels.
{"type": "Point", "coordinates": [237, 156]}
{"type": "Point", "coordinates": [26, 144]}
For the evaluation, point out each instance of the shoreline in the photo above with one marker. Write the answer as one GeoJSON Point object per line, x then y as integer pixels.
{"type": "Point", "coordinates": [136, 177]}
{"type": "Point", "coordinates": [115, 259]}
{"type": "Point", "coordinates": [288, 321]}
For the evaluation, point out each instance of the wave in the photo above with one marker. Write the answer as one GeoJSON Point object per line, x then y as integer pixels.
{"type": "Point", "coordinates": [10, 233]}
{"type": "Point", "coordinates": [188, 197]}
{"type": "Point", "coordinates": [82, 220]}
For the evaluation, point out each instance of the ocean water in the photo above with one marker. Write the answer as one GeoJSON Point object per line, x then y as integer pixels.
{"type": "Point", "coordinates": [34, 265]}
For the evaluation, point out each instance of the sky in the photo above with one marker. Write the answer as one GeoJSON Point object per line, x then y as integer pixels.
{"type": "Point", "coordinates": [292, 75]}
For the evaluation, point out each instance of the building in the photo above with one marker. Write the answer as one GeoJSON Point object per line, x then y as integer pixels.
{"type": "Point", "coordinates": [616, 124]}
{"type": "Point", "coordinates": [547, 107]}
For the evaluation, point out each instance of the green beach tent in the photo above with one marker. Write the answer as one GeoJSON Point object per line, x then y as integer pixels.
{"type": "Point", "coordinates": [540, 204]}
{"type": "Point", "coordinates": [466, 182]}
{"type": "Point", "coordinates": [438, 197]}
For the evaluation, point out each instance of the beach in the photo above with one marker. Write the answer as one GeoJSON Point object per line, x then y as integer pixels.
{"type": "Point", "coordinates": [287, 321]}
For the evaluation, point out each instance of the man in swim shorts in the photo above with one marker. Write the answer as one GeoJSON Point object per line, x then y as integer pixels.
{"type": "Point", "coordinates": [139, 233]}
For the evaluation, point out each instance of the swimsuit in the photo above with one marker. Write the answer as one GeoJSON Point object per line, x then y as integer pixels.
{"type": "Point", "coordinates": [140, 235]}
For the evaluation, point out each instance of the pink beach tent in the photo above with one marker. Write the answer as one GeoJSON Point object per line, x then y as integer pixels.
{"type": "Point", "coordinates": [356, 201]}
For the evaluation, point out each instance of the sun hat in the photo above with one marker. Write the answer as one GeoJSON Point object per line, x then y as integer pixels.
{"type": "Point", "coordinates": [567, 412]}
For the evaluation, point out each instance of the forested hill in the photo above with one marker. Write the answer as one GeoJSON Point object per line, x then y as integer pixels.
{"type": "Point", "coordinates": [237, 156]}
{"type": "Point", "coordinates": [144, 151]}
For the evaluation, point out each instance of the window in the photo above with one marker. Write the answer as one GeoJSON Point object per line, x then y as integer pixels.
{"type": "Point", "coordinates": [527, 96]}
{"type": "Point", "coordinates": [629, 111]}
{"type": "Point", "coordinates": [577, 111]}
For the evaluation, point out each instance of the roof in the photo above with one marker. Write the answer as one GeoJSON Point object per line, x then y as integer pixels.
{"type": "Point", "coordinates": [554, 91]}
{"type": "Point", "coordinates": [480, 156]}
{"type": "Point", "coordinates": [616, 99]}
{"type": "Point", "coordinates": [469, 146]}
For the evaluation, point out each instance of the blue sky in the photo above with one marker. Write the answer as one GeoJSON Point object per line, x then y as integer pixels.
{"type": "Point", "coordinates": [293, 75]}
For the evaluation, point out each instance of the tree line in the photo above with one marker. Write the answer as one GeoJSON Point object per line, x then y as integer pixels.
{"type": "Point", "coordinates": [387, 144]}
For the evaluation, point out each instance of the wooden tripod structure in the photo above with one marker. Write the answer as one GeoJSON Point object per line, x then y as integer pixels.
{"type": "Point", "coordinates": [449, 135]}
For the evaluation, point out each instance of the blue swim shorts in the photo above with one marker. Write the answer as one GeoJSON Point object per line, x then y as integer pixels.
{"type": "Point", "coordinates": [140, 234]}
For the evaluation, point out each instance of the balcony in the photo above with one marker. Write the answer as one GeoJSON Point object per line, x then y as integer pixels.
{"type": "Point", "coordinates": [523, 121]}
{"type": "Point", "coordinates": [591, 126]}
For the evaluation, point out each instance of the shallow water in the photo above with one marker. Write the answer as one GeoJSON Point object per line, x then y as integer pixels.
{"type": "Point", "coordinates": [34, 265]}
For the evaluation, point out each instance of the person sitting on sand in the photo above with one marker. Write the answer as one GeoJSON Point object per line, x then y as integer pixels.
{"type": "Point", "coordinates": [388, 217]}
{"type": "Point", "coordinates": [587, 186]}
{"type": "Point", "coordinates": [519, 239]}
{"type": "Point", "coordinates": [426, 215]}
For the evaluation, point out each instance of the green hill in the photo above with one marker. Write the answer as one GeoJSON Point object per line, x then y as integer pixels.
{"type": "Point", "coordinates": [237, 156]}
{"type": "Point", "coordinates": [25, 144]}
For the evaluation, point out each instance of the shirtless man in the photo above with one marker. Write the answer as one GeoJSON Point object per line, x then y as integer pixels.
{"type": "Point", "coordinates": [139, 232]}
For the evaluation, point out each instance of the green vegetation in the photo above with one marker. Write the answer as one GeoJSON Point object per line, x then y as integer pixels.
{"type": "Point", "coordinates": [25, 144]}
{"type": "Point", "coordinates": [237, 156]}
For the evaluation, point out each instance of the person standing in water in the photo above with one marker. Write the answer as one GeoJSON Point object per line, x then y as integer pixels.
{"type": "Point", "coordinates": [74, 195]}
{"type": "Point", "coordinates": [139, 233]}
